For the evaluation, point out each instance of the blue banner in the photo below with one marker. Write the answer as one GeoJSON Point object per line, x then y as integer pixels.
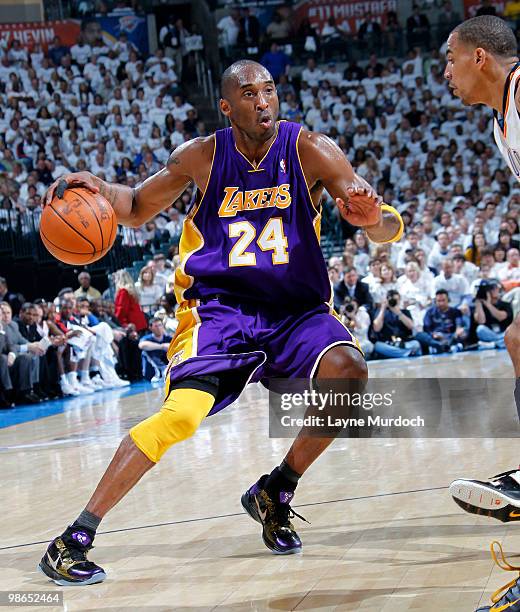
{"type": "Point", "coordinates": [134, 26]}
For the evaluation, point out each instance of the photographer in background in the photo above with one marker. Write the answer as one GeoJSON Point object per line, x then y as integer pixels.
{"type": "Point", "coordinates": [393, 329]}
{"type": "Point", "coordinates": [443, 326]}
{"type": "Point", "coordinates": [357, 319]}
{"type": "Point", "coordinates": [491, 315]}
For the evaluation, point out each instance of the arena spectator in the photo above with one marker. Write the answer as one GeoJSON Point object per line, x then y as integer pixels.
{"type": "Point", "coordinates": [161, 271]}
{"type": "Point", "coordinates": [351, 286]}
{"type": "Point", "coordinates": [7, 358]}
{"type": "Point", "coordinates": [276, 61]}
{"type": "Point", "coordinates": [415, 291]}
{"type": "Point", "coordinates": [25, 369]}
{"type": "Point", "coordinates": [166, 312]}
{"type": "Point", "coordinates": [26, 322]}
{"type": "Point", "coordinates": [509, 275]}
{"type": "Point", "coordinates": [154, 347]}
{"type": "Point", "coordinates": [369, 32]}
{"type": "Point", "coordinates": [85, 288]}
{"type": "Point", "coordinates": [455, 285]}
{"type": "Point", "coordinates": [492, 315]}
{"type": "Point", "coordinates": [357, 319]}
{"type": "Point", "coordinates": [229, 27]}
{"type": "Point", "coordinates": [443, 326]}
{"type": "Point", "coordinates": [15, 300]}
{"type": "Point", "coordinates": [439, 252]}
{"type": "Point", "coordinates": [148, 290]}
{"type": "Point", "coordinates": [387, 282]}
{"type": "Point", "coordinates": [418, 28]}
{"type": "Point", "coordinates": [474, 252]}
{"type": "Point", "coordinates": [127, 308]}
{"type": "Point", "coordinates": [467, 269]}
{"type": "Point", "coordinates": [393, 329]}
{"type": "Point", "coordinates": [174, 225]}
{"type": "Point", "coordinates": [486, 8]}
{"type": "Point", "coordinates": [279, 28]}
{"type": "Point", "coordinates": [249, 32]}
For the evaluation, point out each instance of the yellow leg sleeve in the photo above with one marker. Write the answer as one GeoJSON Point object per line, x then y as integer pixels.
{"type": "Point", "coordinates": [179, 418]}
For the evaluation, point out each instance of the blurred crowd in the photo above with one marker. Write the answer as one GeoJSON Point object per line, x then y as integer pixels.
{"type": "Point", "coordinates": [450, 284]}
{"type": "Point", "coordinates": [85, 341]}
{"type": "Point", "coordinates": [90, 106]}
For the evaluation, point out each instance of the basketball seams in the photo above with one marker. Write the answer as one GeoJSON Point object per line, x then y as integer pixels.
{"type": "Point", "coordinates": [57, 246]}
{"type": "Point", "coordinates": [94, 215]}
{"type": "Point", "coordinates": [71, 226]}
{"type": "Point", "coordinates": [60, 252]}
{"type": "Point", "coordinates": [58, 224]}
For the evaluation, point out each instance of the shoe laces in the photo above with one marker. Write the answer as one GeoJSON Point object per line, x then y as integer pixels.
{"type": "Point", "coordinates": [75, 550]}
{"type": "Point", "coordinates": [281, 514]}
{"type": "Point", "coordinates": [500, 559]}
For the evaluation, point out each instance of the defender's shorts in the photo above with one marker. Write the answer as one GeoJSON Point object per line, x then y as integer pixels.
{"type": "Point", "coordinates": [244, 342]}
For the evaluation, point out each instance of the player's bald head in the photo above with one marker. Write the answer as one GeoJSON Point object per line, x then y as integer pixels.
{"type": "Point", "coordinates": [240, 74]}
{"type": "Point", "coordinates": [490, 33]}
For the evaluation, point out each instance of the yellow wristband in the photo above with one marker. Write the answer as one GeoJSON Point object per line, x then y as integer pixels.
{"type": "Point", "coordinates": [399, 235]}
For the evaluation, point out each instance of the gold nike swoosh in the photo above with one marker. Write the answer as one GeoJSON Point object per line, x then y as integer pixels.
{"type": "Point", "coordinates": [514, 514]}
{"type": "Point", "coordinates": [262, 514]}
{"type": "Point", "coordinates": [506, 607]}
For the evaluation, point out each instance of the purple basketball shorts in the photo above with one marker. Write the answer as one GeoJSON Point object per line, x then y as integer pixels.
{"type": "Point", "coordinates": [244, 342]}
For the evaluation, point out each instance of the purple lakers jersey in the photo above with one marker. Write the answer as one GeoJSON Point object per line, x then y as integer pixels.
{"type": "Point", "coordinates": [254, 233]}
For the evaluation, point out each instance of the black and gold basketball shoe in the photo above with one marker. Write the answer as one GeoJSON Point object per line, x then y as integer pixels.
{"type": "Point", "coordinates": [507, 598]}
{"type": "Point", "coordinates": [274, 515]}
{"type": "Point", "coordinates": [66, 563]}
{"type": "Point", "coordinates": [498, 497]}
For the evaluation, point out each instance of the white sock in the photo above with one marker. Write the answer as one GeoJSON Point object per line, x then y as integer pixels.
{"type": "Point", "coordinates": [84, 376]}
{"type": "Point", "coordinates": [72, 377]}
{"type": "Point", "coordinates": [63, 379]}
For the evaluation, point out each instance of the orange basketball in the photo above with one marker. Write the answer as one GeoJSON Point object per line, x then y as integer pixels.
{"type": "Point", "coordinates": [79, 228]}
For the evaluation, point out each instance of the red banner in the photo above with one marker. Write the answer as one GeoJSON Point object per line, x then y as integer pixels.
{"type": "Point", "coordinates": [471, 7]}
{"type": "Point", "coordinates": [352, 11]}
{"type": "Point", "coordinates": [39, 32]}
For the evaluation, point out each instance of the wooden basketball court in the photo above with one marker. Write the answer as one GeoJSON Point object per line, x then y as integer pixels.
{"type": "Point", "coordinates": [384, 534]}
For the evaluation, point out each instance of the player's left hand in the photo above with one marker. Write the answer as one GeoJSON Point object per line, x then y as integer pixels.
{"type": "Point", "coordinates": [363, 206]}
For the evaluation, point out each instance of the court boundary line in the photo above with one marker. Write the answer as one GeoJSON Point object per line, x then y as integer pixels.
{"type": "Point", "coordinates": [232, 514]}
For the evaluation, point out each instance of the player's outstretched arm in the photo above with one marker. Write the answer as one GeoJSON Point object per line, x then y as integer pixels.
{"type": "Point", "coordinates": [189, 163]}
{"type": "Point", "coordinates": [325, 163]}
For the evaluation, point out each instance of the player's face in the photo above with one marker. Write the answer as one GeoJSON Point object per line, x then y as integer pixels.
{"type": "Point", "coordinates": [463, 71]}
{"type": "Point", "coordinates": [253, 103]}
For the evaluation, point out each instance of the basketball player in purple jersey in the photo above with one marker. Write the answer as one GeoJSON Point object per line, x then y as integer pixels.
{"type": "Point", "coordinates": [253, 292]}
{"type": "Point", "coordinates": [483, 68]}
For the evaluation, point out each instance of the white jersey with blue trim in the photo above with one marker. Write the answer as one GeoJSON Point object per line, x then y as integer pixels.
{"type": "Point", "coordinates": [507, 129]}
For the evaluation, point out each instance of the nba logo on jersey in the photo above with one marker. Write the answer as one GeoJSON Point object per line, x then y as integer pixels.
{"type": "Point", "coordinates": [283, 166]}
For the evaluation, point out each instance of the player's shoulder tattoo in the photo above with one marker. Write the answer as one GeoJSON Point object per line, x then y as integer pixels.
{"type": "Point", "coordinates": [196, 145]}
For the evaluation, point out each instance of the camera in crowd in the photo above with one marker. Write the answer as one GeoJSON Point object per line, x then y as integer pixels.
{"type": "Point", "coordinates": [484, 288]}
{"type": "Point", "coordinates": [392, 298]}
{"type": "Point", "coordinates": [348, 310]}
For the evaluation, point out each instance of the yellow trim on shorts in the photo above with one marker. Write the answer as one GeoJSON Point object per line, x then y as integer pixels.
{"type": "Point", "coordinates": [184, 344]}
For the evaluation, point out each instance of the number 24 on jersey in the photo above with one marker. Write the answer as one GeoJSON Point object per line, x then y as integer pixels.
{"type": "Point", "coordinates": [271, 238]}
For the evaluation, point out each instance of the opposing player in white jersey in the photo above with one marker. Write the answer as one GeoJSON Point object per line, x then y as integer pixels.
{"type": "Point", "coordinates": [483, 68]}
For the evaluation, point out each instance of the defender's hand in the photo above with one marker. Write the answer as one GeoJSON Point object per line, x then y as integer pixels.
{"type": "Point", "coordinates": [363, 206]}
{"type": "Point", "coordinates": [75, 179]}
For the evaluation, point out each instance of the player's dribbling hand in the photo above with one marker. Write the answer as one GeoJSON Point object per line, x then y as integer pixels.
{"type": "Point", "coordinates": [75, 179]}
{"type": "Point", "coordinates": [363, 206]}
